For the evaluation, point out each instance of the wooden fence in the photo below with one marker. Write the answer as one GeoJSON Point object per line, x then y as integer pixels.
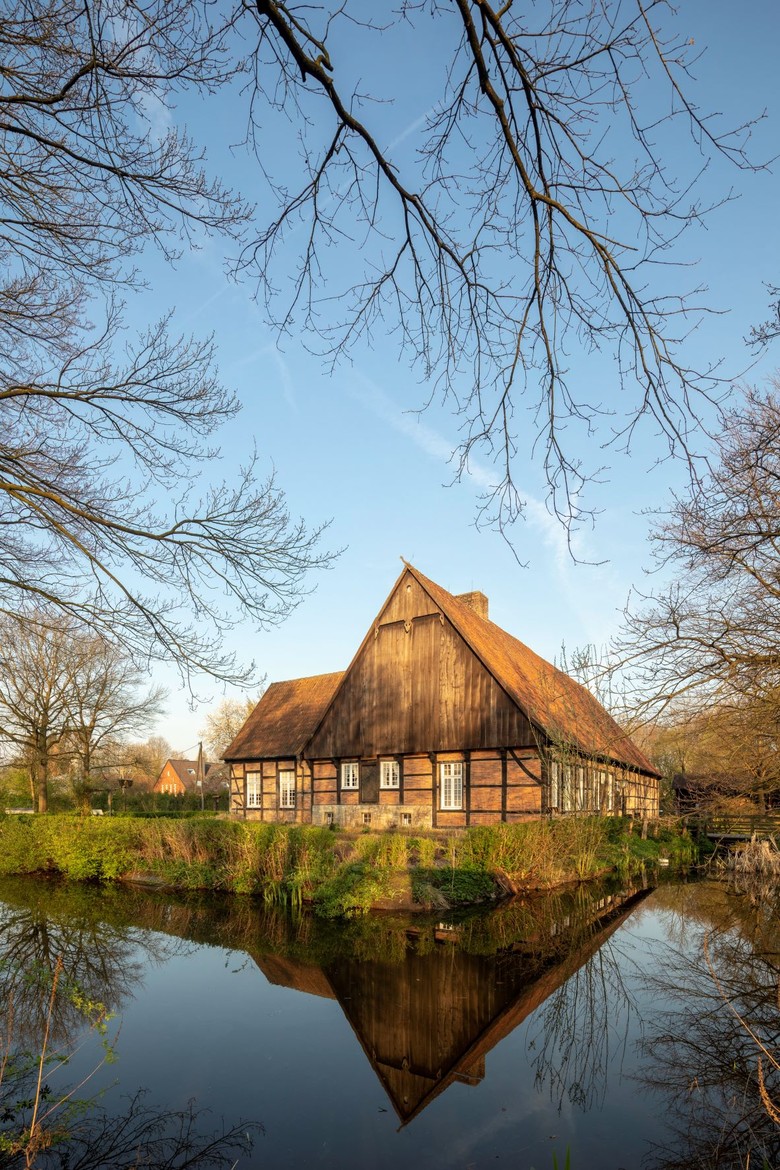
{"type": "Point", "coordinates": [736, 826]}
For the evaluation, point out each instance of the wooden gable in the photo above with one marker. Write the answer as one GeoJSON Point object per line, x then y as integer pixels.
{"type": "Point", "coordinates": [415, 685]}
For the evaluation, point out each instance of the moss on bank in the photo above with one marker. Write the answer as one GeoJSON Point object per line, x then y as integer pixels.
{"type": "Point", "coordinates": [339, 873]}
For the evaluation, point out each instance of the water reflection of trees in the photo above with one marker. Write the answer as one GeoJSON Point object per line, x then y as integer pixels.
{"type": "Point", "coordinates": [68, 957]}
{"type": "Point", "coordinates": [137, 1136]}
{"type": "Point", "coordinates": [575, 1035]}
{"type": "Point", "coordinates": [102, 958]}
{"type": "Point", "coordinates": [427, 999]}
{"type": "Point", "coordinates": [720, 997]}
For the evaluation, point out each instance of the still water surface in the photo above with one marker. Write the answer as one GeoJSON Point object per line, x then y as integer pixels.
{"type": "Point", "coordinates": [591, 1022]}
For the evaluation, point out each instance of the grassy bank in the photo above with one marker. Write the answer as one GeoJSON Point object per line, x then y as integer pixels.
{"type": "Point", "coordinates": [339, 873]}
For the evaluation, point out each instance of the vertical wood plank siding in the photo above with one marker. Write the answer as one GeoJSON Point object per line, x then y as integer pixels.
{"type": "Point", "coordinates": [417, 686]}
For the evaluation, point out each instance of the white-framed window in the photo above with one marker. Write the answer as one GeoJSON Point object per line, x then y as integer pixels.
{"type": "Point", "coordinates": [451, 785]}
{"type": "Point", "coordinates": [350, 774]}
{"type": "Point", "coordinates": [389, 774]}
{"type": "Point", "coordinates": [406, 818]}
{"type": "Point", "coordinates": [253, 790]}
{"type": "Point", "coordinates": [287, 789]}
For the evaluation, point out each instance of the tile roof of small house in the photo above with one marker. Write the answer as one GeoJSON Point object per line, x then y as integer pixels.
{"type": "Point", "coordinates": [214, 775]}
{"type": "Point", "coordinates": [186, 770]}
{"type": "Point", "coordinates": [284, 719]}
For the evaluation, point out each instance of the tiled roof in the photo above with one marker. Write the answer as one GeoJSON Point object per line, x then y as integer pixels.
{"type": "Point", "coordinates": [187, 771]}
{"type": "Point", "coordinates": [217, 776]}
{"type": "Point", "coordinates": [560, 707]}
{"type": "Point", "coordinates": [284, 719]}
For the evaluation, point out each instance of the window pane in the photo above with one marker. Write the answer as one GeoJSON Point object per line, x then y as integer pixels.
{"type": "Point", "coordinates": [350, 774]}
{"type": "Point", "coordinates": [554, 772]}
{"type": "Point", "coordinates": [253, 790]}
{"type": "Point", "coordinates": [389, 774]}
{"type": "Point", "coordinates": [287, 789]}
{"type": "Point", "coordinates": [451, 775]}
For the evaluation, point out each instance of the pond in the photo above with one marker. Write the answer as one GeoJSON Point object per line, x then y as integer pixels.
{"type": "Point", "coordinates": [616, 1026]}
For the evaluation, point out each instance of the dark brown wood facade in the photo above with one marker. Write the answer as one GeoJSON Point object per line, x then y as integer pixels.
{"type": "Point", "coordinates": [416, 687]}
{"type": "Point", "coordinates": [435, 723]}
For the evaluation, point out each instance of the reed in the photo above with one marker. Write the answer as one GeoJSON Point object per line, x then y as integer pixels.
{"type": "Point", "coordinates": [340, 873]}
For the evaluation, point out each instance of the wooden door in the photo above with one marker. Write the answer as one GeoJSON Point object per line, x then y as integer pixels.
{"type": "Point", "coordinates": [369, 782]}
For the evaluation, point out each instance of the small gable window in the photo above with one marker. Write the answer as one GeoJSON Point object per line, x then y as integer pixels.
{"type": "Point", "coordinates": [287, 789]}
{"type": "Point", "coordinates": [451, 785]}
{"type": "Point", "coordinates": [389, 774]}
{"type": "Point", "coordinates": [350, 774]}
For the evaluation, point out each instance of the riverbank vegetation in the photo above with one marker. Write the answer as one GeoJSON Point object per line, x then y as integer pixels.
{"type": "Point", "coordinates": [339, 873]}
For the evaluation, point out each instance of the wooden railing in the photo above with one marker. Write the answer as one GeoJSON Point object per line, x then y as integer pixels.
{"type": "Point", "coordinates": [739, 826]}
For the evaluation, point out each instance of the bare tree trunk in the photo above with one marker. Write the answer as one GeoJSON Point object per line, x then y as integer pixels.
{"type": "Point", "coordinates": [42, 795]}
{"type": "Point", "coordinates": [41, 773]}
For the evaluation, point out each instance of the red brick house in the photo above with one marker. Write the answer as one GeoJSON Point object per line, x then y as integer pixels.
{"type": "Point", "coordinates": [442, 719]}
{"type": "Point", "coordinates": [180, 776]}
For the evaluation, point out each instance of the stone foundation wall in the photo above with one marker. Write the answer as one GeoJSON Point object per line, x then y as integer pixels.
{"type": "Point", "coordinates": [381, 816]}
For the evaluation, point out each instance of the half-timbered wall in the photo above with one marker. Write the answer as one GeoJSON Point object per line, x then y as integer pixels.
{"type": "Point", "coordinates": [487, 786]}
{"type": "Point", "coordinates": [577, 784]}
{"type": "Point", "coordinates": [503, 784]}
{"type": "Point", "coordinates": [258, 791]}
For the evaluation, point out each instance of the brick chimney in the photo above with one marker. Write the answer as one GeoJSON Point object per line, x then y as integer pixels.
{"type": "Point", "coordinates": [476, 601]}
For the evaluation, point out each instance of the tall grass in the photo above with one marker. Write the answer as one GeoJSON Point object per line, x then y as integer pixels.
{"type": "Point", "coordinates": [540, 852]}
{"type": "Point", "coordinates": [190, 854]}
{"type": "Point", "coordinates": [340, 873]}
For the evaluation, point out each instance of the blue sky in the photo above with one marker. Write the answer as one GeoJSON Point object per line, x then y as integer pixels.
{"type": "Point", "coordinates": [348, 446]}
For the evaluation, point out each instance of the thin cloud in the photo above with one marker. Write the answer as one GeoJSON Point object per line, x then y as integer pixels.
{"type": "Point", "coordinates": [577, 584]}
{"type": "Point", "coordinates": [435, 445]}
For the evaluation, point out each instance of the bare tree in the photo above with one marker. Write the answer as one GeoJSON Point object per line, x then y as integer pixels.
{"type": "Point", "coordinates": [222, 725]}
{"type": "Point", "coordinates": [718, 755]}
{"type": "Point", "coordinates": [36, 676]}
{"type": "Point", "coordinates": [65, 694]}
{"type": "Point", "coordinates": [149, 757]}
{"type": "Point", "coordinates": [105, 705]}
{"type": "Point", "coordinates": [768, 330]}
{"type": "Point", "coordinates": [712, 634]}
{"type": "Point", "coordinates": [105, 437]}
{"type": "Point", "coordinates": [527, 226]}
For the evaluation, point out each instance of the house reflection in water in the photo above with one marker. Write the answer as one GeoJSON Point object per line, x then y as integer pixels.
{"type": "Point", "coordinates": [432, 1018]}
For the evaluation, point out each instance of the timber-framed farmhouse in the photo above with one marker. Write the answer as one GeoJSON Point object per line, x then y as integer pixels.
{"type": "Point", "coordinates": [441, 720]}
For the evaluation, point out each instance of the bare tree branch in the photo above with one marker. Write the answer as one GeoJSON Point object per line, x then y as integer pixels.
{"type": "Point", "coordinates": [113, 509]}
{"type": "Point", "coordinates": [711, 637]}
{"type": "Point", "coordinates": [532, 224]}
